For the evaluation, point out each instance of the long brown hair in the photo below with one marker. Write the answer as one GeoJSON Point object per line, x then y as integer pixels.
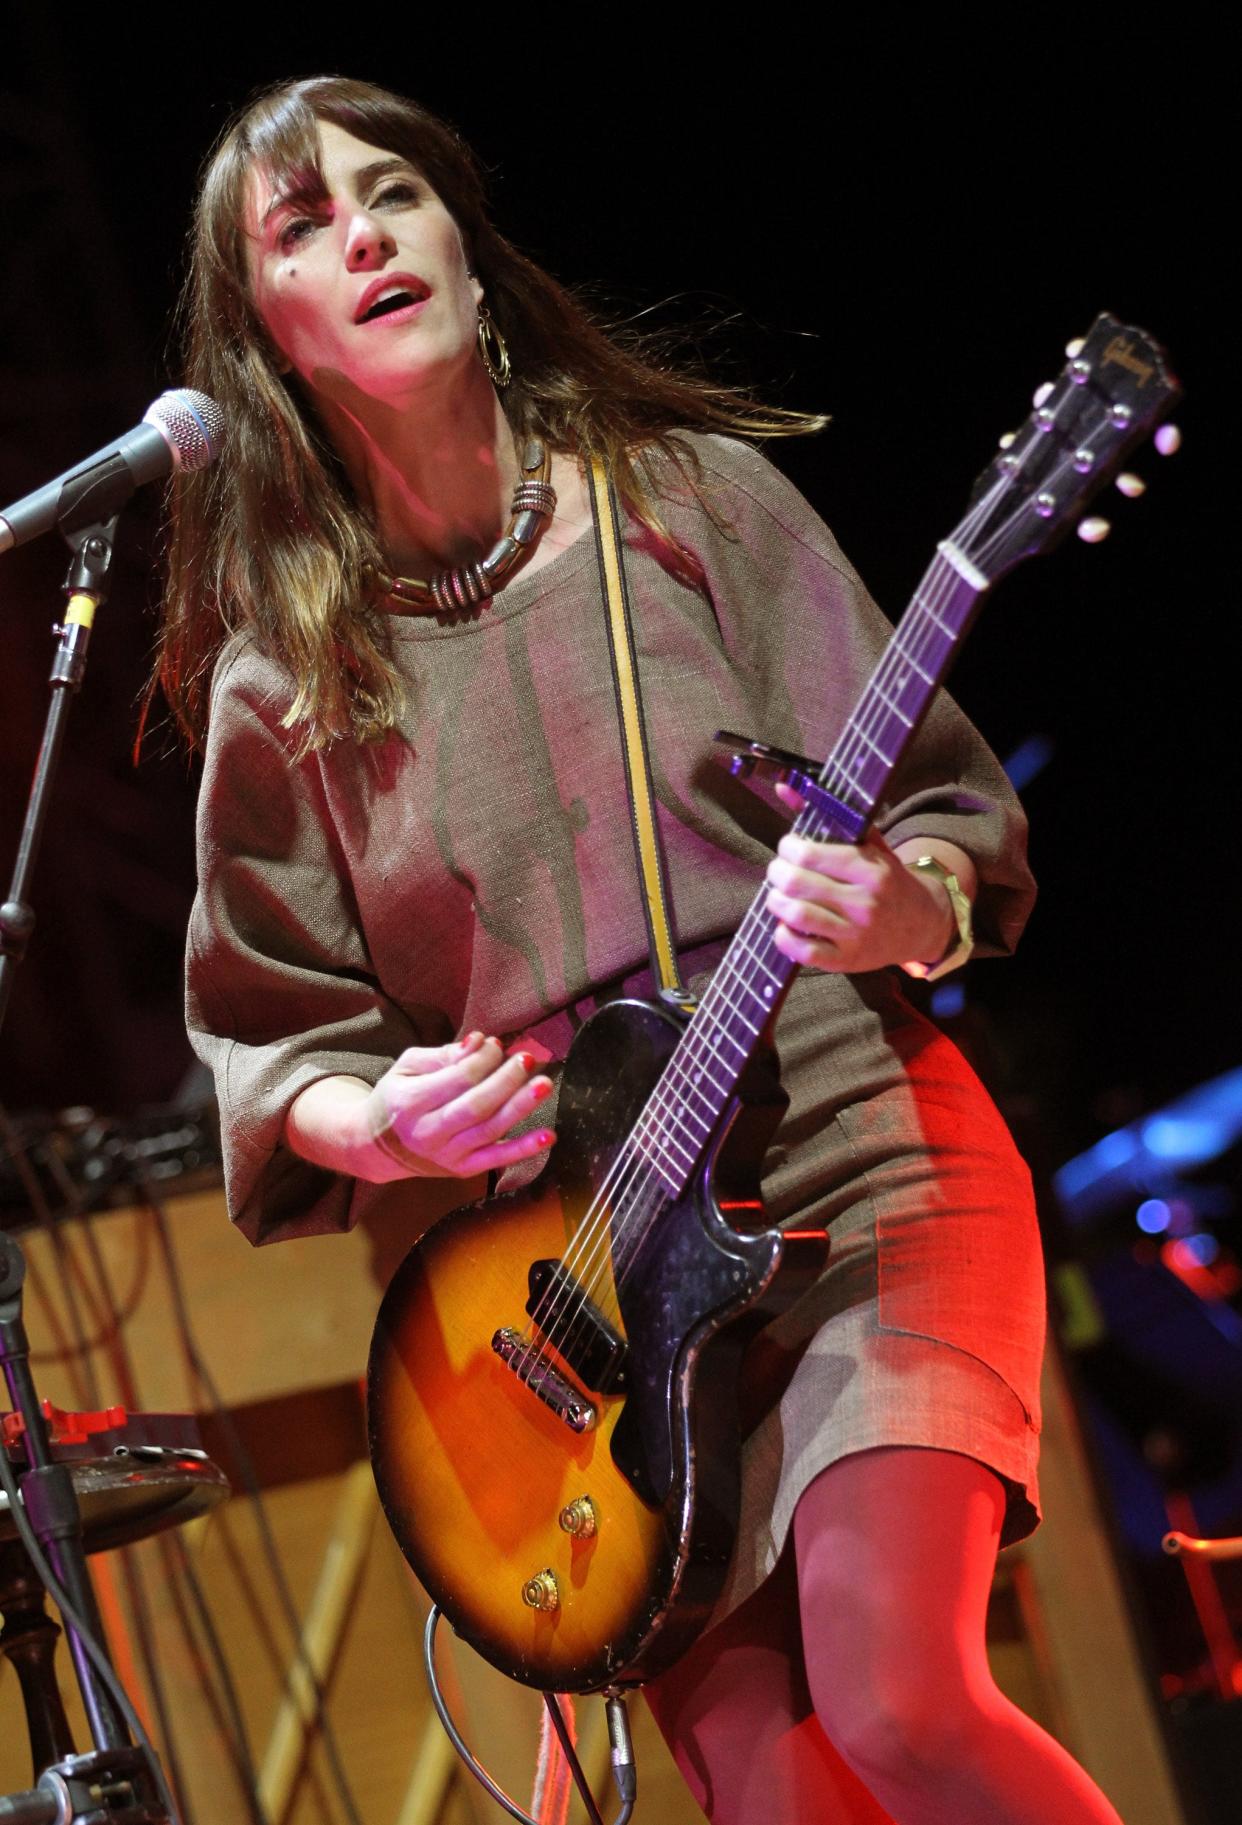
{"type": "Point", "coordinates": [271, 537]}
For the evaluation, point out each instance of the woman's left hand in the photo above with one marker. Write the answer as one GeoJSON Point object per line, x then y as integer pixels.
{"type": "Point", "coordinates": [851, 908]}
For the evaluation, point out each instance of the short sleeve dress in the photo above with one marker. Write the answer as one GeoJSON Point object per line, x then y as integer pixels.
{"type": "Point", "coordinates": [476, 869]}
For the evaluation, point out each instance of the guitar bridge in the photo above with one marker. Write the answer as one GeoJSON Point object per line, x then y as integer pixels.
{"type": "Point", "coordinates": [544, 1379]}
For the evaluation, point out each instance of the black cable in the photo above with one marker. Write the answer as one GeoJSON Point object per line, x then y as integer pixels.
{"type": "Point", "coordinates": [476, 1767]}
{"type": "Point", "coordinates": [109, 1317]}
{"type": "Point", "coordinates": [111, 1339]}
{"type": "Point", "coordinates": [176, 1560]}
{"type": "Point", "coordinates": [84, 1377]}
{"type": "Point", "coordinates": [571, 1756]}
{"type": "Point", "coordinates": [94, 1652]}
{"type": "Point", "coordinates": [82, 1371]}
{"type": "Point", "coordinates": [228, 1719]}
{"type": "Point", "coordinates": [250, 1479]}
{"type": "Point", "coordinates": [140, 1616]}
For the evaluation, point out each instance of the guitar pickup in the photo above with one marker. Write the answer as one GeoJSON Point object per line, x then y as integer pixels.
{"type": "Point", "coordinates": [574, 1324]}
{"type": "Point", "coordinates": [750, 757]}
{"type": "Point", "coordinates": [544, 1379]}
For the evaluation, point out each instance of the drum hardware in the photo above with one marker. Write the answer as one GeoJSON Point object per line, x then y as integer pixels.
{"type": "Point", "coordinates": [135, 1474]}
{"type": "Point", "coordinates": [74, 1483]}
{"type": "Point", "coordinates": [91, 1788]}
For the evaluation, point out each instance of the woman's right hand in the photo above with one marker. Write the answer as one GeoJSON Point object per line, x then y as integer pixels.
{"type": "Point", "coordinates": [437, 1112]}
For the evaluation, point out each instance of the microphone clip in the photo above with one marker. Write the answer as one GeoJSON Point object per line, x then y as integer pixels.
{"type": "Point", "coordinates": [85, 583]}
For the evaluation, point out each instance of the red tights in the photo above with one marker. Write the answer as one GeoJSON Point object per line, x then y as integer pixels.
{"type": "Point", "coordinates": [853, 1688]}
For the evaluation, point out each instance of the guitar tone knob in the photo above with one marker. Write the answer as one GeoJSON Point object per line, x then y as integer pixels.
{"type": "Point", "coordinates": [1093, 531]}
{"type": "Point", "coordinates": [578, 1518]}
{"type": "Point", "coordinates": [542, 1592]}
{"type": "Point", "coordinates": [1168, 440]}
{"type": "Point", "coordinates": [1130, 485]}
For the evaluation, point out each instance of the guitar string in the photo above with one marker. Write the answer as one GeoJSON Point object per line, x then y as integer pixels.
{"type": "Point", "coordinates": [617, 1203]}
{"type": "Point", "coordinates": [930, 604]}
{"type": "Point", "coordinates": [650, 1188]}
{"type": "Point", "coordinates": [650, 1191]}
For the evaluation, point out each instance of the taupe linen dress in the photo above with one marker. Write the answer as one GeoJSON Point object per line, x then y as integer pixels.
{"type": "Point", "coordinates": [476, 869]}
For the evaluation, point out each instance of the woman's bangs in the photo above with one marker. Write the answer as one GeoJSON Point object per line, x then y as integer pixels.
{"type": "Point", "coordinates": [282, 141]}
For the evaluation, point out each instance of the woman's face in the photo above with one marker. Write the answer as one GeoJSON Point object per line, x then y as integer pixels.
{"type": "Point", "coordinates": [363, 289]}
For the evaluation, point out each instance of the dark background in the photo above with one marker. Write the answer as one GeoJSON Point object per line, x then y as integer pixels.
{"type": "Point", "coordinates": [893, 232]}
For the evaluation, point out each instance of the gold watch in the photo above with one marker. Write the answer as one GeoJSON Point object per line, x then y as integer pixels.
{"type": "Point", "coordinates": [959, 951]}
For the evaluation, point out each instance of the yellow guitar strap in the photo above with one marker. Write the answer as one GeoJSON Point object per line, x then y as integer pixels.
{"type": "Point", "coordinates": [652, 870]}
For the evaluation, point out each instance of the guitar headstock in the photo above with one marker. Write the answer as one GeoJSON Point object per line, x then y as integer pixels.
{"type": "Point", "coordinates": [1114, 389]}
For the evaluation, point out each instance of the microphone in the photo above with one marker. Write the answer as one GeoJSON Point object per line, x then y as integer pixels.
{"type": "Point", "coordinates": [181, 430]}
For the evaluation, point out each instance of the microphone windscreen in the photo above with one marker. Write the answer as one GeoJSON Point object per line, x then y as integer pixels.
{"type": "Point", "coordinates": [191, 424]}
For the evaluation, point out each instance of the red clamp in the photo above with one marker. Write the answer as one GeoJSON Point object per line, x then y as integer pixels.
{"type": "Point", "coordinates": [63, 1428]}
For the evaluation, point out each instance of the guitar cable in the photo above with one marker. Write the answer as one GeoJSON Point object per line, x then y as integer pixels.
{"type": "Point", "coordinates": [623, 1769]}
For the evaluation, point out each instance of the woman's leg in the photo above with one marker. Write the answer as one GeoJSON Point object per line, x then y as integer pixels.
{"type": "Point", "coordinates": [895, 1552]}
{"type": "Point", "coordinates": [737, 1715]}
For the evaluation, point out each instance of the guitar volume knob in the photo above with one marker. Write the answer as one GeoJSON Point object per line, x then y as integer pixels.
{"type": "Point", "coordinates": [542, 1592]}
{"type": "Point", "coordinates": [579, 1518]}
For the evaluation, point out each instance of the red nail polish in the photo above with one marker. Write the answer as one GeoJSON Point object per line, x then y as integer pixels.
{"type": "Point", "coordinates": [542, 1090]}
{"type": "Point", "coordinates": [545, 1137]}
{"type": "Point", "coordinates": [527, 1060]}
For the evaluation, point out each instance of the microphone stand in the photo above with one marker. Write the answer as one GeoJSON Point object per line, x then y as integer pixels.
{"type": "Point", "coordinates": [85, 586]}
{"type": "Point", "coordinates": [118, 1782]}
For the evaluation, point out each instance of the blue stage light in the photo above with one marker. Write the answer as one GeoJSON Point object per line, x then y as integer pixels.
{"type": "Point", "coordinates": [1153, 1216]}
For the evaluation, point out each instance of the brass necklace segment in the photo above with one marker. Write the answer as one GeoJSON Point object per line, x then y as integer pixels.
{"type": "Point", "coordinates": [451, 591]}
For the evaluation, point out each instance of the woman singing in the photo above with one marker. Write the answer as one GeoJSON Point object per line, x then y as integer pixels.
{"type": "Point", "coordinates": [418, 877]}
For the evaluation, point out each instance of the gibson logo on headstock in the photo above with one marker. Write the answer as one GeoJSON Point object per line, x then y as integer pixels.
{"type": "Point", "coordinates": [1121, 354]}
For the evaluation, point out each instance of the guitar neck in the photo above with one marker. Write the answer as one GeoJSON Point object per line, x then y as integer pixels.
{"type": "Point", "coordinates": [753, 976]}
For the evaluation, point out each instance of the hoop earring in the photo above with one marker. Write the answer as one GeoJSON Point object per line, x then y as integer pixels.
{"type": "Point", "coordinates": [492, 350]}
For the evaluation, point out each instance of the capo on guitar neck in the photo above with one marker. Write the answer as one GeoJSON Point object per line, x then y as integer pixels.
{"type": "Point", "coordinates": [778, 765]}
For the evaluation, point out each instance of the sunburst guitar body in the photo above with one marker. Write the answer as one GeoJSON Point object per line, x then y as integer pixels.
{"type": "Point", "coordinates": [552, 1410]}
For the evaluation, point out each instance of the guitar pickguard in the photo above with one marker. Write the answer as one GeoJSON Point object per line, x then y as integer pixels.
{"type": "Point", "coordinates": [692, 1271]}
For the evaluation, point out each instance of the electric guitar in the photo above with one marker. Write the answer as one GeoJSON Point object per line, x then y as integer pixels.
{"type": "Point", "coordinates": [552, 1384]}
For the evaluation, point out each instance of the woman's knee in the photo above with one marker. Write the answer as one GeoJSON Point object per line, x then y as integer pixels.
{"type": "Point", "coordinates": [900, 1730]}
{"type": "Point", "coordinates": [892, 1593]}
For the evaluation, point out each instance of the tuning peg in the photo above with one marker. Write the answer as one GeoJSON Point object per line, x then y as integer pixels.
{"type": "Point", "coordinates": [1076, 347]}
{"type": "Point", "coordinates": [1094, 530]}
{"type": "Point", "coordinates": [1041, 393]}
{"type": "Point", "coordinates": [1130, 485]}
{"type": "Point", "coordinates": [1168, 440]}
{"type": "Point", "coordinates": [1004, 442]}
